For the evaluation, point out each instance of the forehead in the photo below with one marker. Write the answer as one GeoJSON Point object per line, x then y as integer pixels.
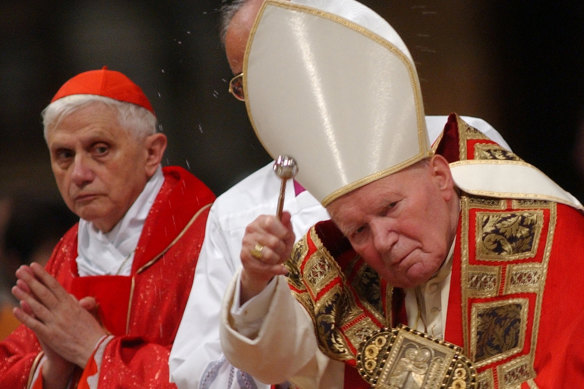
{"type": "Point", "coordinates": [93, 120]}
{"type": "Point", "coordinates": [369, 198]}
{"type": "Point", "coordinates": [238, 32]}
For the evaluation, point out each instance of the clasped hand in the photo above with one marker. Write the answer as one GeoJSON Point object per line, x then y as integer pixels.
{"type": "Point", "coordinates": [66, 330]}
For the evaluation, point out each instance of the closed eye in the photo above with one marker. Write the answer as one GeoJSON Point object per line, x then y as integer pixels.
{"type": "Point", "coordinates": [390, 207]}
{"type": "Point", "coordinates": [359, 234]}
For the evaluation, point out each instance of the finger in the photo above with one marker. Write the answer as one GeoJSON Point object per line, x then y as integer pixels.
{"type": "Point", "coordinates": [22, 285]}
{"type": "Point", "coordinates": [255, 240]}
{"type": "Point", "coordinates": [256, 274]}
{"type": "Point", "coordinates": [49, 281]}
{"type": "Point", "coordinates": [24, 306]}
{"type": "Point", "coordinates": [37, 289]}
{"type": "Point", "coordinates": [271, 253]}
{"type": "Point", "coordinates": [274, 226]}
{"type": "Point", "coordinates": [290, 238]}
{"type": "Point", "coordinates": [279, 269]}
{"type": "Point", "coordinates": [88, 303]}
{"type": "Point", "coordinates": [25, 318]}
{"type": "Point", "coordinates": [30, 305]}
{"type": "Point", "coordinates": [266, 224]}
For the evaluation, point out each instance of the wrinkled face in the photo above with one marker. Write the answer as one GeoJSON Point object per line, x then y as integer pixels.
{"type": "Point", "coordinates": [403, 224]}
{"type": "Point", "coordinates": [99, 167]}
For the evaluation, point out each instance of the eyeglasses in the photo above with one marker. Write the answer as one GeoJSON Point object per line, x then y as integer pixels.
{"type": "Point", "coordinates": [236, 87]}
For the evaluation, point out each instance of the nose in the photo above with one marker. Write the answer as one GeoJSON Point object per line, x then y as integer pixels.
{"type": "Point", "coordinates": [82, 174]}
{"type": "Point", "coordinates": [384, 233]}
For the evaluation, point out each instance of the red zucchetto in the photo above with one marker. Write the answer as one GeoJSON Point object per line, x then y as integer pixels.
{"type": "Point", "coordinates": [107, 83]}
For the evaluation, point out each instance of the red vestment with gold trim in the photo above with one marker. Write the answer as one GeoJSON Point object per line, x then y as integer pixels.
{"type": "Point", "coordinates": [143, 310]}
{"type": "Point", "coordinates": [514, 304]}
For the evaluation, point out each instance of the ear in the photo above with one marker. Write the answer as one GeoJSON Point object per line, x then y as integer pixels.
{"type": "Point", "coordinates": [442, 176]}
{"type": "Point", "coordinates": [155, 147]}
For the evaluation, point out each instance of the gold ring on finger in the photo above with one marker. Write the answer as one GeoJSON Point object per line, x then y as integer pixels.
{"type": "Point", "coordinates": [256, 252]}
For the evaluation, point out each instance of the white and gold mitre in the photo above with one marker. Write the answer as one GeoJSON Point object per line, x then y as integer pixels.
{"type": "Point", "coordinates": [332, 84]}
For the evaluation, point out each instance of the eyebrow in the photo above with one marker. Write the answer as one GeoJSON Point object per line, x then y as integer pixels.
{"type": "Point", "coordinates": [378, 209]}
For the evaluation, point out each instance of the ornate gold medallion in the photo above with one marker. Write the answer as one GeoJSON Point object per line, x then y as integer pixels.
{"type": "Point", "coordinates": [402, 358]}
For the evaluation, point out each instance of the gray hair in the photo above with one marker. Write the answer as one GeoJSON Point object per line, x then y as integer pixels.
{"type": "Point", "coordinates": [137, 120]}
{"type": "Point", "coordinates": [227, 13]}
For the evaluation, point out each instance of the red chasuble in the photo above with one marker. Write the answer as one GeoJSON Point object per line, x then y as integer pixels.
{"type": "Point", "coordinates": [515, 304]}
{"type": "Point", "coordinates": [142, 311]}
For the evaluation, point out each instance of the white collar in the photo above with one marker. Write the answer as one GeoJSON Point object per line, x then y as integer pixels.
{"type": "Point", "coordinates": [112, 253]}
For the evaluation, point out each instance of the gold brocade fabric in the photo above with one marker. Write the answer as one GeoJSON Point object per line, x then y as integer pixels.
{"type": "Point", "coordinates": [347, 305]}
{"type": "Point", "coordinates": [499, 272]}
{"type": "Point", "coordinates": [505, 251]}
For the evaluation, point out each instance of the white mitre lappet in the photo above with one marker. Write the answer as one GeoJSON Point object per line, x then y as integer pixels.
{"type": "Point", "coordinates": [332, 84]}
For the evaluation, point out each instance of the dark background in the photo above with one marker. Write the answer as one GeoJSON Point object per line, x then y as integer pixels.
{"type": "Point", "coordinates": [516, 64]}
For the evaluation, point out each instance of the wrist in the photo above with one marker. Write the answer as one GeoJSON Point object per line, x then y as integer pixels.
{"type": "Point", "coordinates": [251, 286]}
{"type": "Point", "coordinates": [87, 354]}
{"type": "Point", "coordinates": [56, 375]}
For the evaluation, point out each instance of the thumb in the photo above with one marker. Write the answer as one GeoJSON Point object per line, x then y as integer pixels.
{"type": "Point", "coordinates": [88, 303]}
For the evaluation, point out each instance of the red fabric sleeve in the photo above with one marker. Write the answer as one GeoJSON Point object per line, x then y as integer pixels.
{"type": "Point", "coordinates": [17, 354]}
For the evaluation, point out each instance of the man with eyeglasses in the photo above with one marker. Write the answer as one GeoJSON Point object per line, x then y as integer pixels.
{"type": "Point", "coordinates": [196, 360]}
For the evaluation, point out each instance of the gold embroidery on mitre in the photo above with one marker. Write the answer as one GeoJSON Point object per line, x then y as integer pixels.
{"type": "Point", "coordinates": [466, 132]}
{"type": "Point", "coordinates": [484, 149]}
{"type": "Point", "coordinates": [498, 329]}
{"type": "Point", "coordinates": [508, 235]}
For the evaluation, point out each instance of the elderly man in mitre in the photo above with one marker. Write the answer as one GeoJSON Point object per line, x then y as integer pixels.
{"type": "Point", "coordinates": [445, 265]}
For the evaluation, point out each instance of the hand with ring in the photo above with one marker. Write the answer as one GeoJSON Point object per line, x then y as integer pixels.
{"type": "Point", "coordinates": [266, 245]}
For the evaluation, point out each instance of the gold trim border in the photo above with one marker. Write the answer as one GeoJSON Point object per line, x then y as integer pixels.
{"type": "Point", "coordinates": [467, 203]}
{"type": "Point", "coordinates": [477, 270]}
{"type": "Point", "coordinates": [156, 258]}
